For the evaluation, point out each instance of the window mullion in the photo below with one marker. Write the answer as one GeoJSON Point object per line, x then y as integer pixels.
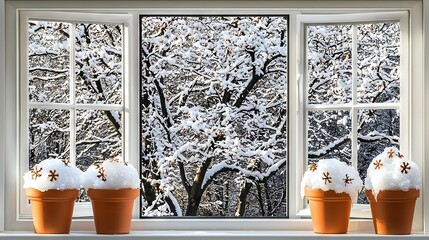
{"type": "Point", "coordinates": [72, 96]}
{"type": "Point", "coordinates": [354, 97]}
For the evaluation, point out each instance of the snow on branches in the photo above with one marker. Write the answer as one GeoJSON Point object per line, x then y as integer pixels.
{"type": "Point", "coordinates": [214, 101]}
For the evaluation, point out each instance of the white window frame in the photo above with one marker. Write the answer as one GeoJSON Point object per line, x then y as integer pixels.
{"type": "Point", "coordinates": [358, 210]}
{"type": "Point", "coordinates": [10, 219]}
{"type": "Point", "coordinates": [80, 209]}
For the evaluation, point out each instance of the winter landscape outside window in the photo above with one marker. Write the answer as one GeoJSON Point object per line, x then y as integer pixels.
{"type": "Point", "coordinates": [214, 115]}
{"type": "Point", "coordinates": [353, 92]}
{"type": "Point", "coordinates": [75, 104]}
{"type": "Point", "coordinates": [213, 104]}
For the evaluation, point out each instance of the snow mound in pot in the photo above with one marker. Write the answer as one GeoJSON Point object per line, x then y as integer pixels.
{"type": "Point", "coordinates": [111, 174]}
{"type": "Point", "coordinates": [53, 174]}
{"type": "Point", "coordinates": [331, 174]}
{"type": "Point", "coordinates": [392, 171]}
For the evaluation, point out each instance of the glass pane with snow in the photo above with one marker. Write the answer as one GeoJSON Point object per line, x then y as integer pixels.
{"type": "Point", "coordinates": [329, 135]}
{"type": "Point", "coordinates": [378, 62]}
{"type": "Point", "coordinates": [98, 136]}
{"type": "Point", "coordinates": [378, 129]}
{"type": "Point", "coordinates": [48, 61]}
{"type": "Point", "coordinates": [98, 62]}
{"type": "Point", "coordinates": [49, 135]}
{"type": "Point", "coordinates": [329, 64]}
{"type": "Point", "coordinates": [213, 122]}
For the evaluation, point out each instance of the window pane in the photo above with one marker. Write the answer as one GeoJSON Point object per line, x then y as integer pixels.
{"type": "Point", "coordinates": [378, 129]}
{"type": "Point", "coordinates": [98, 63]}
{"type": "Point", "coordinates": [378, 62]}
{"type": "Point", "coordinates": [329, 64]}
{"type": "Point", "coordinates": [98, 136]}
{"type": "Point", "coordinates": [48, 61]}
{"type": "Point", "coordinates": [329, 135]}
{"type": "Point", "coordinates": [49, 135]}
{"type": "Point", "coordinates": [214, 110]}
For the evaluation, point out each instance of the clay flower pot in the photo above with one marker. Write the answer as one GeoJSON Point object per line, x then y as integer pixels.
{"type": "Point", "coordinates": [52, 210]}
{"type": "Point", "coordinates": [112, 209]}
{"type": "Point", "coordinates": [330, 211]}
{"type": "Point", "coordinates": [393, 210]}
{"type": "Point", "coordinates": [52, 187]}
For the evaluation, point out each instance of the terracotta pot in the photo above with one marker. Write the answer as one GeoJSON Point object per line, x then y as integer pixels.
{"type": "Point", "coordinates": [392, 212]}
{"type": "Point", "coordinates": [112, 209]}
{"type": "Point", "coordinates": [330, 211]}
{"type": "Point", "coordinates": [52, 210]}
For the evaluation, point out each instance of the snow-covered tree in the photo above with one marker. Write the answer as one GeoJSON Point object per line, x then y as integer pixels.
{"type": "Point", "coordinates": [214, 93]}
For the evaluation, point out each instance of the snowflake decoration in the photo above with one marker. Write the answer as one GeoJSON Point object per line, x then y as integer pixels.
{"type": "Point", "coordinates": [391, 153]}
{"type": "Point", "coordinates": [377, 164]}
{"type": "Point", "coordinates": [102, 174]}
{"type": "Point", "coordinates": [53, 175]}
{"type": "Point", "coordinates": [399, 155]}
{"type": "Point", "coordinates": [36, 172]}
{"type": "Point", "coordinates": [312, 167]}
{"type": "Point", "coordinates": [405, 167]}
{"type": "Point", "coordinates": [326, 178]}
{"type": "Point", "coordinates": [348, 180]}
{"type": "Point", "coordinates": [66, 162]}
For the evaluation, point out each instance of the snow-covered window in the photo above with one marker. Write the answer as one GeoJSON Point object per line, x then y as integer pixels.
{"type": "Point", "coordinates": [353, 89]}
{"type": "Point", "coordinates": [214, 115]}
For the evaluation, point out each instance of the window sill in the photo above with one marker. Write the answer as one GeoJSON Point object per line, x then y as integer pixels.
{"type": "Point", "coordinates": [212, 235]}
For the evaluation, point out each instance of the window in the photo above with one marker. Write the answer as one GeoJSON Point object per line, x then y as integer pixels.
{"type": "Point", "coordinates": [354, 74]}
{"type": "Point", "coordinates": [72, 106]}
{"type": "Point", "coordinates": [33, 110]}
{"type": "Point", "coordinates": [353, 91]}
{"type": "Point", "coordinates": [214, 129]}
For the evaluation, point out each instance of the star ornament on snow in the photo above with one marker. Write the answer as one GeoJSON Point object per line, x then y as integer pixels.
{"type": "Point", "coordinates": [405, 167]}
{"type": "Point", "coordinates": [36, 172]}
{"type": "Point", "coordinates": [391, 153]}
{"type": "Point", "coordinates": [102, 174]}
{"type": "Point", "coordinates": [377, 164]}
{"type": "Point", "coordinates": [312, 167]}
{"type": "Point", "coordinates": [399, 155]}
{"type": "Point", "coordinates": [53, 175]}
{"type": "Point", "coordinates": [348, 180]}
{"type": "Point", "coordinates": [326, 178]}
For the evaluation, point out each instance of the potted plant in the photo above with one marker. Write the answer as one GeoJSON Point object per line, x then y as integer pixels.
{"type": "Point", "coordinates": [330, 186]}
{"type": "Point", "coordinates": [392, 186]}
{"type": "Point", "coordinates": [112, 187]}
{"type": "Point", "coordinates": [52, 187]}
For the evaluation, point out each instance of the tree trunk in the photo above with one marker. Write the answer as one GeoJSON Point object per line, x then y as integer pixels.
{"type": "Point", "coordinates": [260, 199]}
{"type": "Point", "coordinates": [242, 199]}
{"type": "Point", "coordinates": [267, 198]}
{"type": "Point", "coordinates": [193, 205]}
